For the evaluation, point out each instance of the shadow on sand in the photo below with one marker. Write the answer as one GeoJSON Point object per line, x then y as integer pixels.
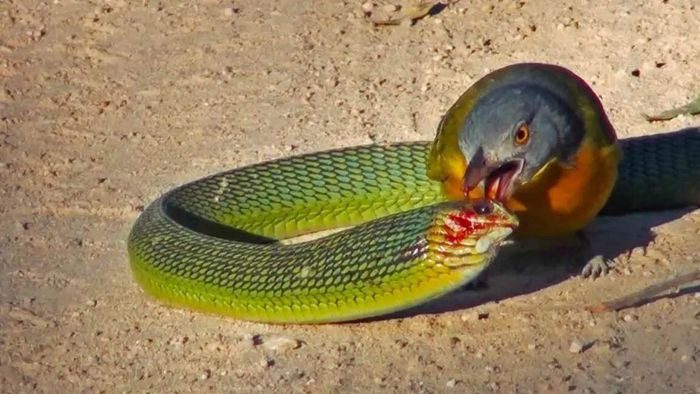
{"type": "Point", "coordinates": [513, 273]}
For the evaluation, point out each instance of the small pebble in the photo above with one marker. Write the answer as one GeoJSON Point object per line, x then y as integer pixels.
{"type": "Point", "coordinates": [179, 341]}
{"type": "Point", "coordinates": [657, 255]}
{"type": "Point", "coordinates": [246, 339]}
{"type": "Point", "coordinates": [390, 8]}
{"type": "Point", "coordinates": [229, 12]}
{"type": "Point", "coordinates": [254, 340]}
{"type": "Point", "coordinates": [267, 362]}
{"type": "Point", "coordinates": [474, 316]}
{"type": "Point", "coordinates": [451, 383]}
{"type": "Point", "coordinates": [620, 363]}
{"type": "Point", "coordinates": [576, 346]}
{"type": "Point", "coordinates": [27, 302]}
{"type": "Point", "coordinates": [214, 346]}
{"type": "Point", "coordinates": [367, 7]}
{"type": "Point", "coordinates": [629, 318]}
{"type": "Point", "coordinates": [282, 344]}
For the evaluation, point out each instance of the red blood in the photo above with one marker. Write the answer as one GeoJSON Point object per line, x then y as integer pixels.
{"type": "Point", "coordinates": [455, 237]}
{"type": "Point", "coordinates": [467, 226]}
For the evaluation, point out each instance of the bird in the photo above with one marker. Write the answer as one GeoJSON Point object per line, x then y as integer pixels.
{"type": "Point", "coordinates": [537, 138]}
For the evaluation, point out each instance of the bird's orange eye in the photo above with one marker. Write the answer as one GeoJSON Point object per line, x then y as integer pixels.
{"type": "Point", "coordinates": [522, 135]}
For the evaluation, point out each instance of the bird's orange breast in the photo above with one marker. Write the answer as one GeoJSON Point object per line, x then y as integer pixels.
{"type": "Point", "coordinates": [564, 199]}
{"type": "Point", "coordinates": [561, 199]}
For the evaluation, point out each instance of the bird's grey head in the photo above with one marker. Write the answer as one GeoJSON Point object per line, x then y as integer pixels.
{"type": "Point", "coordinates": [512, 133]}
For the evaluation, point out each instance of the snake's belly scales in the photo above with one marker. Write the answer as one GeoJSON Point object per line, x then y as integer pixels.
{"type": "Point", "coordinates": [211, 244]}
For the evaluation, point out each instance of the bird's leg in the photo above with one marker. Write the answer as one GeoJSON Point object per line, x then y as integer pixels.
{"type": "Point", "coordinates": [576, 247]}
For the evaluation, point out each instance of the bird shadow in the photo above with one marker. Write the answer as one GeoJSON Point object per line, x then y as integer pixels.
{"type": "Point", "coordinates": [514, 273]}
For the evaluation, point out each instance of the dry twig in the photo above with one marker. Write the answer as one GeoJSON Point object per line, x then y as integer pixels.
{"type": "Point", "coordinates": [412, 12]}
{"type": "Point", "coordinates": [692, 108]}
{"type": "Point", "coordinates": [645, 295]}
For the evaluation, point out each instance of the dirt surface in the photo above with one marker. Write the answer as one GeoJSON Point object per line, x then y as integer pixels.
{"type": "Point", "coordinates": [107, 104]}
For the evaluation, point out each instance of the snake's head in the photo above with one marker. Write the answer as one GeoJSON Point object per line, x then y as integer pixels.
{"type": "Point", "coordinates": [469, 233]}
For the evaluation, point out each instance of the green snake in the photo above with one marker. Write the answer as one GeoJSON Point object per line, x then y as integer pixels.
{"type": "Point", "coordinates": [213, 244]}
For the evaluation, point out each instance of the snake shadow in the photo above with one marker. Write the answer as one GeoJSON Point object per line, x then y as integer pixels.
{"type": "Point", "coordinates": [515, 272]}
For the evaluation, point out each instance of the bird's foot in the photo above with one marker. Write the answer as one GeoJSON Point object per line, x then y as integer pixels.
{"type": "Point", "coordinates": [597, 265]}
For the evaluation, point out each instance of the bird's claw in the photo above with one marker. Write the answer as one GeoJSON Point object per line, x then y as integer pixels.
{"type": "Point", "coordinates": [595, 267]}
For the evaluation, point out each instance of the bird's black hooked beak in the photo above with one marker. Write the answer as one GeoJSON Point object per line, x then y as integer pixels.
{"type": "Point", "coordinates": [499, 176]}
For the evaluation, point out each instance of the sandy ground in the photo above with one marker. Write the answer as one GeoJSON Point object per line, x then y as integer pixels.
{"type": "Point", "coordinates": [106, 104]}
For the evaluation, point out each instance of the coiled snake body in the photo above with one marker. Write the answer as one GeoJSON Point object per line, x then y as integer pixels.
{"type": "Point", "coordinates": [212, 244]}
